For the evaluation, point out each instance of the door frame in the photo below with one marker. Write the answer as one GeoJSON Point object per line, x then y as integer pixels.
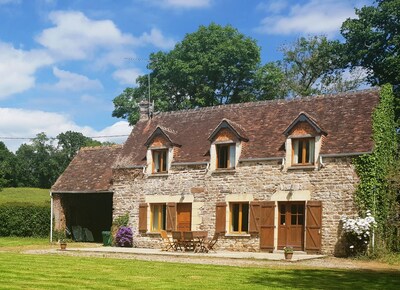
{"type": "Point", "coordinates": [288, 229]}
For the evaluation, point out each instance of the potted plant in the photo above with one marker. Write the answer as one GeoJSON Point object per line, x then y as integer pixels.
{"type": "Point", "coordinates": [62, 239]}
{"type": "Point", "coordinates": [63, 243]}
{"type": "Point", "coordinates": [288, 250]}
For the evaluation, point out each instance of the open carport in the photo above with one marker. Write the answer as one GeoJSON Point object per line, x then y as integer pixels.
{"type": "Point", "coordinates": [82, 197]}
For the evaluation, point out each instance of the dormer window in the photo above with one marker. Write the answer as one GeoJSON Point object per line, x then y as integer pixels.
{"type": "Point", "coordinates": [303, 142]}
{"type": "Point", "coordinates": [303, 151]}
{"type": "Point", "coordinates": [226, 154]}
{"type": "Point", "coordinates": [160, 160]}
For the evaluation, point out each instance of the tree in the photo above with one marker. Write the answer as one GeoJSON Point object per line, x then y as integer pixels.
{"type": "Point", "coordinates": [7, 166]}
{"type": "Point", "coordinates": [315, 65]}
{"type": "Point", "coordinates": [214, 65]}
{"type": "Point", "coordinates": [270, 82]}
{"type": "Point", "coordinates": [69, 144]}
{"type": "Point", "coordinates": [373, 42]}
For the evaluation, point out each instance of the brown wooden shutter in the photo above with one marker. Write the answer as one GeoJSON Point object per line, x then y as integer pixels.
{"type": "Point", "coordinates": [267, 227]}
{"type": "Point", "coordinates": [254, 226]}
{"type": "Point", "coordinates": [143, 217]}
{"type": "Point", "coordinates": [171, 216]}
{"type": "Point", "coordinates": [313, 227]}
{"type": "Point", "coordinates": [220, 217]}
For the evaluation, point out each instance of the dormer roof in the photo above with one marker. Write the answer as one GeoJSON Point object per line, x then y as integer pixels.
{"type": "Point", "coordinates": [167, 133]}
{"type": "Point", "coordinates": [235, 128]}
{"type": "Point", "coordinates": [304, 117]}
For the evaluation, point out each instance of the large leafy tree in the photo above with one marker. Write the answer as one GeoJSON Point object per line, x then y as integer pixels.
{"type": "Point", "coordinates": [315, 65]}
{"type": "Point", "coordinates": [373, 42]}
{"type": "Point", "coordinates": [7, 166]}
{"type": "Point", "coordinates": [214, 65]}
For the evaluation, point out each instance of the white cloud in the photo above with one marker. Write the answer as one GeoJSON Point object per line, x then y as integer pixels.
{"type": "Point", "coordinates": [28, 123]}
{"type": "Point", "coordinates": [187, 4]}
{"type": "Point", "coordinates": [69, 81]}
{"type": "Point", "coordinates": [127, 76]}
{"type": "Point", "coordinates": [17, 68]}
{"type": "Point", "coordinates": [77, 37]}
{"type": "Point", "coordinates": [157, 39]}
{"type": "Point", "coordinates": [312, 17]}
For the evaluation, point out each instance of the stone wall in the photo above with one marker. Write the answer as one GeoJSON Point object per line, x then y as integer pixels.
{"type": "Point", "coordinates": [333, 184]}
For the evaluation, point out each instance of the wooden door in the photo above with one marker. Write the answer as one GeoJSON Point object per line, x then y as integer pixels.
{"type": "Point", "coordinates": [267, 213]}
{"type": "Point", "coordinates": [313, 227]}
{"type": "Point", "coordinates": [291, 225]}
{"type": "Point", "coordinates": [183, 217]}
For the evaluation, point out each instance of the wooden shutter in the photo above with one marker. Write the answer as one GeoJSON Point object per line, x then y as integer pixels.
{"type": "Point", "coordinates": [313, 227]}
{"type": "Point", "coordinates": [171, 216]}
{"type": "Point", "coordinates": [267, 227]}
{"type": "Point", "coordinates": [220, 217]}
{"type": "Point", "coordinates": [143, 217]}
{"type": "Point", "coordinates": [254, 226]}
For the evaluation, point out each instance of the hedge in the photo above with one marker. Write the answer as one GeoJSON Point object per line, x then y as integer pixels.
{"type": "Point", "coordinates": [24, 220]}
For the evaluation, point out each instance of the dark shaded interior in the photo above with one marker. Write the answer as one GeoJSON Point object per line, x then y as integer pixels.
{"type": "Point", "coordinates": [88, 210]}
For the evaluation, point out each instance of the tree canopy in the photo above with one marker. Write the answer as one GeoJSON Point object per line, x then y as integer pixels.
{"type": "Point", "coordinates": [214, 65]}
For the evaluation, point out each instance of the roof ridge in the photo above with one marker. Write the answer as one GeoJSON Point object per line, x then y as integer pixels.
{"type": "Point", "coordinates": [114, 146]}
{"type": "Point", "coordinates": [262, 103]}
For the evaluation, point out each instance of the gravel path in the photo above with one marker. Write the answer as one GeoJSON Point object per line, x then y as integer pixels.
{"type": "Point", "coordinates": [327, 262]}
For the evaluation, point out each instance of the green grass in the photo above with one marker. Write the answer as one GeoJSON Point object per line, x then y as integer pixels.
{"type": "Point", "coordinates": [36, 196]}
{"type": "Point", "coordinates": [65, 272]}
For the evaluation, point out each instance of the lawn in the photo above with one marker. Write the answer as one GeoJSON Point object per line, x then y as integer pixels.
{"type": "Point", "coordinates": [45, 271]}
{"type": "Point", "coordinates": [36, 196]}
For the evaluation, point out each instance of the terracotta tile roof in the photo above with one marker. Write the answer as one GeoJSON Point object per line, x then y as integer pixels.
{"type": "Point", "coordinates": [89, 171]}
{"type": "Point", "coordinates": [346, 118]}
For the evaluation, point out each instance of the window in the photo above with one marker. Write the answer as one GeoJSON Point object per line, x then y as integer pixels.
{"type": "Point", "coordinates": [160, 160]}
{"type": "Point", "coordinates": [303, 151]}
{"type": "Point", "coordinates": [239, 218]}
{"type": "Point", "coordinates": [158, 214]}
{"type": "Point", "coordinates": [226, 155]}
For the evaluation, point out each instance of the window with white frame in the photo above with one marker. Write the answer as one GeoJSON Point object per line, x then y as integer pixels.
{"type": "Point", "coordinates": [303, 151]}
{"type": "Point", "coordinates": [239, 217]}
{"type": "Point", "coordinates": [158, 217]}
{"type": "Point", "coordinates": [226, 155]}
{"type": "Point", "coordinates": [160, 161]}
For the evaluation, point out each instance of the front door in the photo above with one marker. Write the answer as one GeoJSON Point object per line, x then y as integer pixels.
{"type": "Point", "coordinates": [291, 225]}
{"type": "Point", "coordinates": [184, 217]}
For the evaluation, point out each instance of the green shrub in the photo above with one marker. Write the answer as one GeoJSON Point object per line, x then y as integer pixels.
{"type": "Point", "coordinates": [24, 220]}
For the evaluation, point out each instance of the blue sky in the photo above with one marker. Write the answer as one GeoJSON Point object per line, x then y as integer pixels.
{"type": "Point", "coordinates": [63, 62]}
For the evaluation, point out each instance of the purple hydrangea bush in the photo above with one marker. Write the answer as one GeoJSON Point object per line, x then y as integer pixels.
{"type": "Point", "coordinates": [124, 237]}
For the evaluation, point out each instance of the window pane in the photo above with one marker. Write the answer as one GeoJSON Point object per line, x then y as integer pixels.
{"type": "Point", "coordinates": [296, 151]}
{"type": "Point", "coordinates": [232, 156]}
{"type": "Point", "coordinates": [164, 160]}
{"type": "Point", "coordinates": [293, 219]}
{"type": "Point", "coordinates": [301, 220]}
{"type": "Point", "coordinates": [283, 214]}
{"type": "Point", "coordinates": [307, 148]}
{"type": "Point", "coordinates": [312, 151]}
{"type": "Point", "coordinates": [222, 151]}
{"type": "Point", "coordinates": [300, 151]}
{"type": "Point", "coordinates": [164, 215]}
{"type": "Point", "coordinates": [293, 209]}
{"type": "Point", "coordinates": [156, 216]}
{"type": "Point", "coordinates": [235, 217]}
{"type": "Point", "coordinates": [156, 161]}
{"type": "Point", "coordinates": [245, 217]}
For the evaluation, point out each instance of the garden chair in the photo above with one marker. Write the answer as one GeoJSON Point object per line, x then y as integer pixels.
{"type": "Point", "coordinates": [177, 240]}
{"type": "Point", "coordinates": [210, 244]}
{"type": "Point", "coordinates": [167, 243]}
{"type": "Point", "coordinates": [188, 241]}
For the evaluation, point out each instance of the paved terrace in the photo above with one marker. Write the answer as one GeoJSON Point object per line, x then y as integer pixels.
{"type": "Point", "coordinates": [276, 256]}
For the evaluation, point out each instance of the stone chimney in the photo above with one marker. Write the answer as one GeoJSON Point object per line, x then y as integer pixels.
{"type": "Point", "coordinates": [146, 110]}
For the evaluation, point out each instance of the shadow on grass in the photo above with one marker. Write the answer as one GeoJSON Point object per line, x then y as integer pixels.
{"type": "Point", "coordinates": [328, 279]}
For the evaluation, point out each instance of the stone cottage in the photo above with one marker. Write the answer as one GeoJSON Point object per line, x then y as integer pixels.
{"type": "Point", "coordinates": [265, 175]}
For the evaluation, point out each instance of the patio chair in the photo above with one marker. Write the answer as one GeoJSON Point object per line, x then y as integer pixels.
{"type": "Point", "coordinates": [177, 240]}
{"type": "Point", "coordinates": [210, 244]}
{"type": "Point", "coordinates": [188, 241]}
{"type": "Point", "coordinates": [167, 243]}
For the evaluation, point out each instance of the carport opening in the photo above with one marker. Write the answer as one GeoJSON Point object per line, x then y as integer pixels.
{"type": "Point", "coordinates": [88, 214]}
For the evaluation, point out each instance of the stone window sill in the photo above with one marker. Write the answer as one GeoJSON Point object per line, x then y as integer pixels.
{"type": "Point", "coordinates": [158, 174]}
{"type": "Point", "coordinates": [224, 171]}
{"type": "Point", "coordinates": [302, 167]}
{"type": "Point", "coordinates": [232, 235]}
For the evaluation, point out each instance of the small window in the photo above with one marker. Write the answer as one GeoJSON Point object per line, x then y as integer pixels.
{"type": "Point", "coordinates": [303, 151]}
{"type": "Point", "coordinates": [158, 214]}
{"type": "Point", "coordinates": [239, 218]}
{"type": "Point", "coordinates": [226, 155]}
{"type": "Point", "coordinates": [160, 160]}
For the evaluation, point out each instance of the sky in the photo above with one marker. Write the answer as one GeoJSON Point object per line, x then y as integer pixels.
{"type": "Point", "coordinates": [63, 62]}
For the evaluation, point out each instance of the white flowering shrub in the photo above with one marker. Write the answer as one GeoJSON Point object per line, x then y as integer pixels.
{"type": "Point", "coordinates": [358, 232]}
